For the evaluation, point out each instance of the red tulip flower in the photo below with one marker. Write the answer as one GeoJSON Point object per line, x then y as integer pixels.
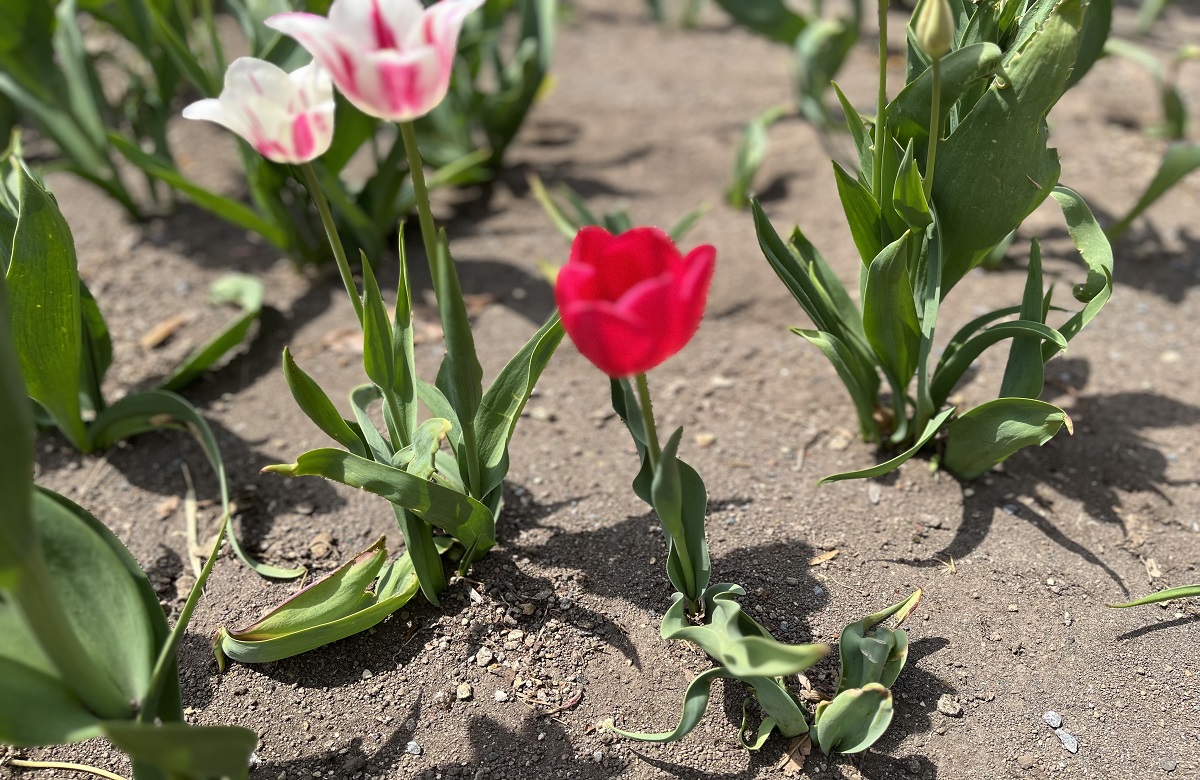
{"type": "Point", "coordinates": [631, 301]}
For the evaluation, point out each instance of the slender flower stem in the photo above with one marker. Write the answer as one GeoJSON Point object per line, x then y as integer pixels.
{"type": "Point", "coordinates": [91, 770]}
{"type": "Point", "coordinates": [416, 170]}
{"type": "Point", "coordinates": [881, 103]}
{"type": "Point", "coordinates": [165, 663]}
{"type": "Point", "coordinates": [335, 242]}
{"type": "Point", "coordinates": [655, 451]}
{"type": "Point", "coordinates": [935, 128]}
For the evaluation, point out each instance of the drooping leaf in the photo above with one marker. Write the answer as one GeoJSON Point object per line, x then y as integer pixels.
{"type": "Point", "coordinates": [463, 517]}
{"type": "Point", "coordinates": [883, 468]}
{"type": "Point", "coordinates": [397, 586]}
{"type": "Point", "coordinates": [909, 112]}
{"type": "Point", "coordinates": [695, 702]}
{"type": "Point", "coordinates": [989, 433]}
{"type": "Point", "coordinates": [955, 364]}
{"type": "Point", "coordinates": [157, 409]}
{"type": "Point", "coordinates": [773, 19]}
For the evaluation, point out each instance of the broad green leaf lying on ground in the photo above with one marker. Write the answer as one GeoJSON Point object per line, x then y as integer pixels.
{"type": "Point", "coordinates": [337, 606]}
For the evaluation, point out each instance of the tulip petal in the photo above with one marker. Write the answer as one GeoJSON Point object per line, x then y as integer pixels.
{"type": "Point", "coordinates": [320, 37]}
{"type": "Point", "coordinates": [575, 282]}
{"type": "Point", "coordinates": [384, 23]}
{"type": "Point", "coordinates": [617, 345]}
{"type": "Point", "coordinates": [401, 86]}
{"type": "Point", "coordinates": [212, 110]}
{"type": "Point", "coordinates": [656, 304]}
{"type": "Point", "coordinates": [632, 257]}
{"type": "Point", "coordinates": [440, 26]}
{"type": "Point", "coordinates": [693, 288]}
{"type": "Point", "coordinates": [589, 245]}
{"type": "Point", "coordinates": [250, 80]}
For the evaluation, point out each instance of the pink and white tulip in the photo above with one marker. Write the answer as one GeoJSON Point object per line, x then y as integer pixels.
{"type": "Point", "coordinates": [390, 58]}
{"type": "Point", "coordinates": [286, 117]}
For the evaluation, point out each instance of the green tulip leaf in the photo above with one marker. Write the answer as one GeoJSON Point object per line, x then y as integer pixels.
{"type": "Point", "coordinates": [181, 750]}
{"type": "Point", "coordinates": [861, 381]}
{"type": "Point", "coordinates": [467, 520]}
{"type": "Point", "coordinates": [862, 214]}
{"type": "Point", "coordinates": [1025, 373]}
{"type": "Point", "coordinates": [87, 572]}
{"type": "Point", "coordinates": [314, 622]}
{"type": "Point", "coordinates": [733, 639]}
{"type": "Point", "coordinates": [404, 389]}
{"type": "Point", "coordinates": [361, 399]}
{"type": "Point", "coordinates": [773, 19]}
{"type": "Point", "coordinates": [246, 292]}
{"type": "Point", "coordinates": [863, 142]}
{"type": "Point", "coordinates": [872, 653]}
{"type": "Point", "coordinates": [1003, 142]}
{"type": "Point", "coordinates": [820, 51]}
{"type": "Point", "coordinates": [854, 720]}
{"type": "Point", "coordinates": [18, 541]}
{"type": "Point", "coordinates": [1183, 592]}
{"type": "Point", "coordinates": [37, 708]}
{"type": "Point", "coordinates": [227, 209]}
{"type": "Point", "coordinates": [502, 404]}
{"type": "Point", "coordinates": [890, 313]}
{"type": "Point", "coordinates": [44, 307]}
{"type": "Point", "coordinates": [931, 428]}
{"type": "Point", "coordinates": [908, 197]}
{"type": "Point", "coordinates": [989, 433]}
{"type": "Point", "coordinates": [316, 405]}
{"type": "Point", "coordinates": [681, 502]}
{"type": "Point", "coordinates": [379, 359]}
{"type": "Point", "coordinates": [909, 112]}
{"type": "Point", "coordinates": [954, 364]}
{"type": "Point", "coordinates": [751, 151]}
{"type": "Point", "coordinates": [695, 702]}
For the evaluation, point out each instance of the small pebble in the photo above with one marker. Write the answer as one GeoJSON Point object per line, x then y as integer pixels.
{"type": "Point", "coordinates": [1053, 719]}
{"type": "Point", "coordinates": [484, 657]}
{"type": "Point", "coordinates": [500, 695]}
{"type": "Point", "coordinates": [413, 748]}
{"type": "Point", "coordinates": [464, 692]}
{"type": "Point", "coordinates": [1027, 761]}
{"type": "Point", "coordinates": [948, 706]}
{"type": "Point", "coordinates": [1168, 765]}
{"type": "Point", "coordinates": [1068, 741]}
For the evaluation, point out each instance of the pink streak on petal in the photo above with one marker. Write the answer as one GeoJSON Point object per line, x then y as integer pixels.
{"type": "Point", "coordinates": [302, 138]}
{"type": "Point", "coordinates": [399, 83]}
{"type": "Point", "coordinates": [384, 38]}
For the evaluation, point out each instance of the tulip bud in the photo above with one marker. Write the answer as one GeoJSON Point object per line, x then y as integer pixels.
{"type": "Point", "coordinates": [934, 27]}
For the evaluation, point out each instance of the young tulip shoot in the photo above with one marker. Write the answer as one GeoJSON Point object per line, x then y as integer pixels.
{"type": "Point", "coordinates": [390, 58]}
{"type": "Point", "coordinates": [631, 301]}
{"type": "Point", "coordinates": [286, 117]}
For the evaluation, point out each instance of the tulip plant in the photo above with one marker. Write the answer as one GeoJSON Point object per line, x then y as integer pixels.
{"type": "Point", "coordinates": [64, 346]}
{"type": "Point", "coordinates": [630, 302]}
{"type": "Point", "coordinates": [445, 502]}
{"type": "Point", "coordinates": [949, 168]}
{"type": "Point", "coordinates": [52, 79]}
{"type": "Point", "coordinates": [85, 650]}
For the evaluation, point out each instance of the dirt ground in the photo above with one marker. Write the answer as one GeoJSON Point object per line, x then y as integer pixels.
{"type": "Point", "coordinates": [1016, 567]}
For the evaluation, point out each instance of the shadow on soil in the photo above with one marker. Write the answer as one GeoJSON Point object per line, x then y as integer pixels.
{"type": "Point", "coordinates": [1109, 455]}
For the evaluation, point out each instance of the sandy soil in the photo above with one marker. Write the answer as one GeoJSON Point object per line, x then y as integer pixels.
{"type": "Point", "coordinates": [1016, 567]}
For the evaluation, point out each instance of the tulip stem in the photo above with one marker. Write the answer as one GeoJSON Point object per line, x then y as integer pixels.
{"type": "Point", "coordinates": [881, 104]}
{"type": "Point", "coordinates": [652, 447]}
{"type": "Point", "coordinates": [335, 242]}
{"type": "Point", "coordinates": [416, 171]}
{"type": "Point", "coordinates": [935, 128]}
{"type": "Point", "coordinates": [91, 770]}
